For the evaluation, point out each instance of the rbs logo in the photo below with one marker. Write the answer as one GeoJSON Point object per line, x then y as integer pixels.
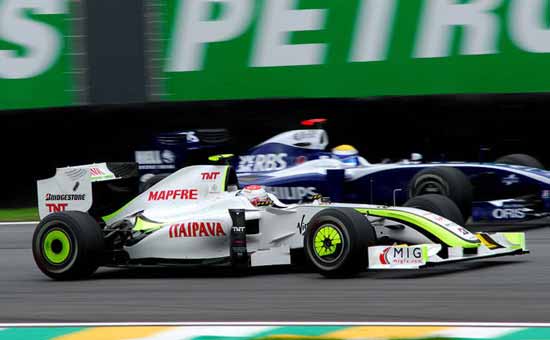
{"type": "Point", "coordinates": [267, 162]}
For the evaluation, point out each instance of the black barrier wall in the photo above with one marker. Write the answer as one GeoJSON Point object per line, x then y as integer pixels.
{"type": "Point", "coordinates": [115, 51]}
{"type": "Point", "coordinates": [440, 127]}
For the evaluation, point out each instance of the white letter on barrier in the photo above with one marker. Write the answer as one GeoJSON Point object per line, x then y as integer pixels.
{"type": "Point", "coordinates": [42, 43]}
{"type": "Point", "coordinates": [193, 30]}
{"type": "Point", "coordinates": [527, 25]}
{"type": "Point", "coordinates": [279, 19]}
{"type": "Point", "coordinates": [372, 35]}
{"type": "Point", "coordinates": [481, 27]}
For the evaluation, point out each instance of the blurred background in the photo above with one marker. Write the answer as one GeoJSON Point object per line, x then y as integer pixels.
{"type": "Point", "coordinates": [94, 80]}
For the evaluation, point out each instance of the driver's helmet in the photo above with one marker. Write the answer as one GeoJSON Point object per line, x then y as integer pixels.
{"type": "Point", "coordinates": [256, 195]}
{"type": "Point", "coordinates": [347, 154]}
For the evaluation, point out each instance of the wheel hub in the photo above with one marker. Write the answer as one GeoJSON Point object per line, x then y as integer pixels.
{"type": "Point", "coordinates": [56, 246]}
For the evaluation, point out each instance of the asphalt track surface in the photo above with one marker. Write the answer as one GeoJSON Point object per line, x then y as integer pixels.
{"type": "Point", "coordinates": [508, 289]}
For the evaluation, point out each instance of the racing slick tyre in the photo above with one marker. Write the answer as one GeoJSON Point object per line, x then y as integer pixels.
{"type": "Point", "coordinates": [521, 159]}
{"type": "Point", "coordinates": [151, 181]}
{"type": "Point", "coordinates": [68, 245]}
{"type": "Point", "coordinates": [336, 242]}
{"type": "Point", "coordinates": [439, 205]}
{"type": "Point", "coordinates": [445, 181]}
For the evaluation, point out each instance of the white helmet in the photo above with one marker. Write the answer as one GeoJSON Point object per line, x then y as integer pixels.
{"type": "Point", "coordinates": [256, 195]}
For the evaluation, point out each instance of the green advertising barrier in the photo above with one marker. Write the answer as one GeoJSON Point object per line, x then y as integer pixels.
{"type": "Point", "coordinates": [34, 47]}
{"type": "Point", "coordinates": [234, 49]}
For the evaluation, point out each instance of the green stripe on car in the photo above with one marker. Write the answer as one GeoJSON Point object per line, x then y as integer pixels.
{"type": "Point", "coordinates": [438, 231]}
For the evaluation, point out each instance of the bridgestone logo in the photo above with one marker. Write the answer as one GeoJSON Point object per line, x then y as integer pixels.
{"type": "Point", "coordinates": [65, 197]}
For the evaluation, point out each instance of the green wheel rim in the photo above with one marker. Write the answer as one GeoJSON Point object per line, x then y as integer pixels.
{"type": "Point", "coordinates": [328, 244]}
{"type": "Point", "coordinates": [56, 246]}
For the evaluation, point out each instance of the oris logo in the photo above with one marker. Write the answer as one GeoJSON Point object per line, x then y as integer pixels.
{"type": "Point", "coordinates": [504, 214]}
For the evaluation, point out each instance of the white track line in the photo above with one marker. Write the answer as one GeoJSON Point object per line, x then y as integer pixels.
{"type": "Point", "coordinates": [19, 223]}
{"type": "Point", "coordinates": [267, 324]}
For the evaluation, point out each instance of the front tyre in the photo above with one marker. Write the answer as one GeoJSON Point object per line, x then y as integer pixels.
{"type": "Point", "coordinates": [439, 205]}
{"type": "Point", "coordinates": [446, 181]}
{"type": "Point", "coordinates": [68, 245]}
{"type": "Point", "coordinates": [336, 242]}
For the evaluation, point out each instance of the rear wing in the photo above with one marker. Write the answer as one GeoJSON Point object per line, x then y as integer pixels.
{"type": "Point", "coordinates": [170, 151]}
{"type": "Point", "coordinates": [76, 188]}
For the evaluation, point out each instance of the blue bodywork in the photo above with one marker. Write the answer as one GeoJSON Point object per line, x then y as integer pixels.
{"type": "Point", "coordinates": [295, 168]}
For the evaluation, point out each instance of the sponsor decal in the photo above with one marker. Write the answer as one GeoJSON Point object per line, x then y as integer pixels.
{"type": "Point", "coordinates": [95, 172]}
{"type": "Point", "coordinates": [302, 226]}
{"type": "Point", "coordinates": [168, 157]}
{"type": "Point", "coordinates": [401, 255]}
{"type": "Point", "coordinates": [267, 162]}
{"type": "Point", "coordinates": [304, 134]}
{"type": "Point", "coordinates": [505, 214]}
{"type": "Point", "coordinates": [292, 193]}
{"type": "Point", "coordinates": [509, 180]}
{"type": "Point", "coordinates": [450, 225]}
{"type": "Point", "coordinates": [157, 167]}
{"type": "Point", "coordinates": [191, 137]}
{"type": "Point", "coordinates": [56, 207]}
{"type": "Point", "coordinates": [178, 194]}
{"type": "Point", "coordinates": [300, 159]}
{"type": "Point", "coordinates": [238, 229]}
{"type": "Point", "coordinates": [148, 157]}
{"type": "Point", "coordinates": [196, 229]}
{"type": "Point", "coordinates": [210, 175]}
{"type": "Point", "coordinates": [65, 197]}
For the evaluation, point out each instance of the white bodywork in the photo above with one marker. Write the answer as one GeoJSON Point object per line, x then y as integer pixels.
{"type": "Point", "coordinates": [187, 218]}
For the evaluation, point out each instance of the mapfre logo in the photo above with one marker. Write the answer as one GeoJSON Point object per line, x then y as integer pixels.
{"type": "Point", "coordinates": [401, 255]}
{"type": "Point", "coordinates": [210, 176]}
{"type": "Point", "coordinates": [196, 229]}
{"type": "Point", "coordinates": [178, 194]}
{"type": "Point", "coordinates": [267, 162]}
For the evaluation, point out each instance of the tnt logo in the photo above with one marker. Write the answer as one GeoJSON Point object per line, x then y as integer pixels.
{"type": "Point", "coordinates": [96, 172]}
{"type": "Point", "coordinates": [210, 175]}
{"type": "Point", "coordinates": [56, 207]}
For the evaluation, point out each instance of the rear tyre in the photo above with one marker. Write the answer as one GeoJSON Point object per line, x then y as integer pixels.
{"type": "Point", "coordinates": [151, 181]}
{"type": "Point", "coordinates": [68, 245]}
{"type": "Point", "coordinates": [439, 205]}
{"type": "Point", "coordinates": [336, 242]}
{"type": "Point", "coordinates": [521, 159]}
{"type": "Point", "coordinates": [445, 181]}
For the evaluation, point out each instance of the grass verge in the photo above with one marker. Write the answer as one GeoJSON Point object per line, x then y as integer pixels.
{"type": "Point", "coordinates": [19, 215]}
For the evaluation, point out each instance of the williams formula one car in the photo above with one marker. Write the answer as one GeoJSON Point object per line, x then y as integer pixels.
{"type": "Point", "coordinates": [199, 216]}
{"type": "Point", "coordinates": [295, 166]}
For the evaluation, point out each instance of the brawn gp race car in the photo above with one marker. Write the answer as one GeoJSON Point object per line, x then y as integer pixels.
{"type": "Point", "coordinates": [198, 215]}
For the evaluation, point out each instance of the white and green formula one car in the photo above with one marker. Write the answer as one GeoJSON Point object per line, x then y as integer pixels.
{"type": "Point", "coordinates": [198, 216]}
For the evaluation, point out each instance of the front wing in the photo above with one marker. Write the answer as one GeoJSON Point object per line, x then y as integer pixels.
{"type": "Point", "coordinates": [417, 256]}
